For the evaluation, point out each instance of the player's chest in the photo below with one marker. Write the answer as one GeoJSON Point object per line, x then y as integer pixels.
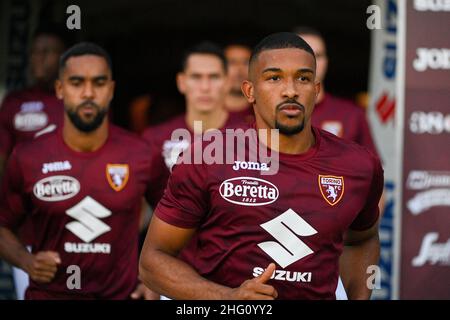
{"type": "Point", "coordinates": [62, 183]}
{"type": "Point", "coordinates": [327, 201]}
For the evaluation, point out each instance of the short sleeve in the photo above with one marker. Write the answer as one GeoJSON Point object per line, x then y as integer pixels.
{"type": "Point", "coordinates": [370, 212]}
{"type": "Point", "coordinates": [186, 199]}
{"type": "Point", "coordinates": [12, 197]}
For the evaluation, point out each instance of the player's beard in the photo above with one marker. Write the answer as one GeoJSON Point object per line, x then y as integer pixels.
{"type": "Point", "coordinates": [289, 130]}
{"type": "Point", "coordinates": [87, 126]}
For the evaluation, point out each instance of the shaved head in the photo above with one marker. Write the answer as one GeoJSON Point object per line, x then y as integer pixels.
{"type": "Point", "coordinates": [280, 40]}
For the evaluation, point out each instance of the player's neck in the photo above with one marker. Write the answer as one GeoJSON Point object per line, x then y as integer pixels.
{"type": "Point", "coordinates": [236, 103]}
{"type": "Point", "coordinates": [214, 119]}
{"type": "Point", "coordinates": [321, 95]}
{"type": "Point", "coordinates": [81, 141]}
{"type": "Point", "coordinates": [290, 144]}
{"type": "Point", "coordinates": [298, 143]}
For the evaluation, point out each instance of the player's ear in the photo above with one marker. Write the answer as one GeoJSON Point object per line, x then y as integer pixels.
{"type": "Point", "coordinates": [248, 91]}
{"type": "Point", "coordinates": [113, 86]}
{"type": "Point", "coordinates": [58, 89]}
{"type": "Point", "coordinates": [317, 88]}
{"type": "Point", "coordinates": [181, 82]}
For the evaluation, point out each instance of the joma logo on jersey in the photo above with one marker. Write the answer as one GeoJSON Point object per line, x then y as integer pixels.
{"type": "Point", "coordinates": [56, 188]}
{"type": "Point", "coordinates": [117, 175]}
{"type": "Point", "coordinates": [248, 191]}
{"type": "Point", "coordinates": [88, 226]}
{"type": "Point", "coordinates": [331, 188]}
{"type": "Point", "coordinates": [56, 166]}
{"type": "Point", "coordinates": [284, 275]}
{"type": "Point", "coordinates": [250, 166]}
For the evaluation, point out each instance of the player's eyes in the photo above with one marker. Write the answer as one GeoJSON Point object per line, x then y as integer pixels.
{"type": "Point", "coordinates": [274, 78]}
{"type": "Point", "coordinates": [304, 79]}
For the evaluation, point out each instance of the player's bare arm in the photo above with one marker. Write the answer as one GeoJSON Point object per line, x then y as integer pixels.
{"type": "Point", "coordinates": [361, 250]}
{"type": "Point", "coordinates": [160, 269]}
{"type": "Point", "coordinates": [41, 267]}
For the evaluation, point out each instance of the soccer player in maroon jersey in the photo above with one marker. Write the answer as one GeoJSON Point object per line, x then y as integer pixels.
{"type": "Point", "coordinates": [238, 56]}
{"type": "Point", "coordinates": [203, 82]}
{"type": "Point", "coordinates": [273, 236]}
{"type": "Point", "coordinates": [81, 185]}
{"type": "Point", "coordinates": [25, 112]}
{"type": "Point", "coordinates": [336, 115]}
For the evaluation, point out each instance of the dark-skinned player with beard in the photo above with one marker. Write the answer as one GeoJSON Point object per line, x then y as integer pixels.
{"type": "Point", "coordinates": [81, 185]}
{"type": "Point", "coordinates": [276, 236]}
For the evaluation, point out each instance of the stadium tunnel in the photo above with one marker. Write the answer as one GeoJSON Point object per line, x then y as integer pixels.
{"type": "Point", "coordinates": [146, 39]}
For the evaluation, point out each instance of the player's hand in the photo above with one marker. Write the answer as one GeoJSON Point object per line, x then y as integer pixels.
{"type": "Point", "coordinates": [43, 266]}
{"type": "Point", "coordinates": [142, 292]}
{"type": "Point", "coordinates": [256, 289]}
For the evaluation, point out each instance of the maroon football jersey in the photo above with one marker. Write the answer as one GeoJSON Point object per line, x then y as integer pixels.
{"type": "Point", "coordinates": [247, 115]}
{"type": "Point", "coordinates": [23, 113]}
{"type": "Point", "coordinates": [296, 218]}
{"type": "Point", "coordinates": [344, 119]}
{"type": "Point", "coordinates": [165, 151]}
{"type": "Point", "coordinates": [85, 206]}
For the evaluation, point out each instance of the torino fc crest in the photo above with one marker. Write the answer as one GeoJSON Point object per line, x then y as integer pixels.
{"type": "Point", "coordinates": [332, 188]}
{"type": "Point", "coordinates": [117, 175]}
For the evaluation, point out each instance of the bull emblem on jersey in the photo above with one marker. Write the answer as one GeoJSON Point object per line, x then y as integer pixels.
{"type": "Point", "coordinates": [331, 188]}
{"type": "Point", "coordinates": [331, 193]}
{"type": "Point", "coordinates": [117, 175]}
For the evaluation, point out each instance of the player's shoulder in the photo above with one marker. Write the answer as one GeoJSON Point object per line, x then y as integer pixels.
{"type": "Point", "coordinates": [344, 104]}
{"type": "Point", "coordinates": [18, 93]}
{"type": "Point", "coordinates": [236, 120]}
{"type": "Point", "coordinates": [164, 130]}
{"type": "Point", "coordinates": [136, 149]}
{"type": "Point", "coordinates": [349, 152]}
{"type": "Point", "coordinates": [126, 138]}
{"type": "Point", "coordinates": [24, 94]}
{"type": "Point", "coordinates": [12, 98]}
{"type": "Point", "coordinates": [30, 98]}
{"type": "Point", "coordinates": [43, 140]}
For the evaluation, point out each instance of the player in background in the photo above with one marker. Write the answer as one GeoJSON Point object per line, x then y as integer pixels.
{"type": "Point", "coordinates": [238, 56]}
{"type": "Point", "coordinates": [203, 82]}
{"type": "Point", "coordinates": [271, 236]}
{"type": "Point", "coordinates": [336, 115]}
{"type": "Point", "coordinates": [25, 113]}
{"type": "Point", "coordinates": [81, 186]}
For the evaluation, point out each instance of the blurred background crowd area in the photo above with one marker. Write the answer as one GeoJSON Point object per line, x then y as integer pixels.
{"type": "Point", "coordinates": [146, 40]}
